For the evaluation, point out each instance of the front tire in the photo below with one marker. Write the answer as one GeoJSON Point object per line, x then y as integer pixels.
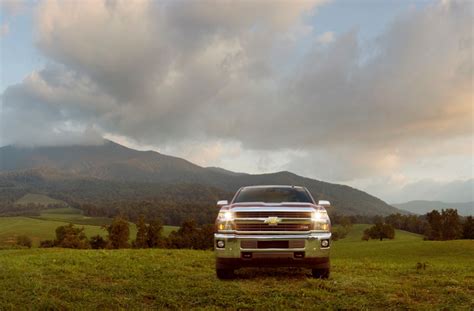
{"type": "Point", "coordinates": [320, 273]}
{"type": "Point", "coordinates": [225, 274]}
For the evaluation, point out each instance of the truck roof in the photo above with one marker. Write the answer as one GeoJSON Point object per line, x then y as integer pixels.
{"type": "Point", "coordinates": [272, 186]}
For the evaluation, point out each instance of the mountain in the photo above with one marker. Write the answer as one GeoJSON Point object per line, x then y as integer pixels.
{"type": "Point", "coordinates": [109, 161]}
{"type": "Point", "coordinates": [422, 207]}
{"type": "Point", "coordinates": [432, 190]}
{"type": "Point", "coordinates": [114, 172]}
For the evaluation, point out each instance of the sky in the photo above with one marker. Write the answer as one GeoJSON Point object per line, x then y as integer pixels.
{"type": "Point", "coordinates": [374, 94]}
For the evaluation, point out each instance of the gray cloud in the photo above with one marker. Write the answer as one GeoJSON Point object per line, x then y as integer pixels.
{"type": "Point", "coordinates": [172, 73]}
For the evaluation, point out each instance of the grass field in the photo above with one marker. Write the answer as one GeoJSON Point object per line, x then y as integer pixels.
{"type": "Point", "coordinates": [43, 227]}
{"type": "Point", "coordinates": [365, 275]}
{"type": "Point", "coordinates": [38, 199]}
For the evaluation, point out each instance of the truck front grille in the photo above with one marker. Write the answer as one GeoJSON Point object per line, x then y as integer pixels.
{"type": "Point", "coordinates": [267, 227]}
{"type": "Point", "coordinates": [280, 214]}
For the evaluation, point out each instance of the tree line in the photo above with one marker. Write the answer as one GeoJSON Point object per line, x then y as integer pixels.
{"type": "Point", "coordinates": [435, 225]}
{"type": "Point", "coordinates": [172, 213]}
{"type": "Point", "coordinates": [149, 235]}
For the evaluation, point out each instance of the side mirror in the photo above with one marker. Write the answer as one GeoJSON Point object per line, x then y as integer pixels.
{"type": "Point", "coordinates": [222, 203]}
{"type": "Point", "coordinates": [324, 203]}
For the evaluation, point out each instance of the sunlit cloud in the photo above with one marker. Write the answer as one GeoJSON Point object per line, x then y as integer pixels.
{"type": "Point", "coordinates": [233, 87]}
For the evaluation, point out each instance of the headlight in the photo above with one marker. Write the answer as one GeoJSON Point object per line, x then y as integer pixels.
{"type": "Point", "coordinates": [225, 220]}
{"type": "Point", "coordinates": [321, 220]}
{"type": "Point", "coordinates": [228, 216]}
{"type": "Point", "coordinates": [225, 216]}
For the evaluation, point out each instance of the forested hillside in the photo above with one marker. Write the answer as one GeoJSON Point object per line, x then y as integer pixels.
{"type": "Point", "coordinates": [108, 179]}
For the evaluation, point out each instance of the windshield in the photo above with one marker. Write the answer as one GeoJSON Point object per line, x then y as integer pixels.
{"type": "Point", "coordinates": [273, 195]}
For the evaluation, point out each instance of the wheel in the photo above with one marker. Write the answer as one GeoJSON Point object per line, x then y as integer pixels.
{"type": "Point", "coordinates": [225, 274]}
{"type": "Point", "coordinates": [320, 273]}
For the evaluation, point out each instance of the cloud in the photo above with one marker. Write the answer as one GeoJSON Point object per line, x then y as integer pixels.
{"type": "Point", "coordinates": [12, 7]}
{"type": "Point", "coordinates": [326, 37]}
{"type": "Point", "coordinates": [173, 73]}
{"type": "Point", "coordinates": [9, 10]}
{"type": "Point", "coordinates": [4, 29]}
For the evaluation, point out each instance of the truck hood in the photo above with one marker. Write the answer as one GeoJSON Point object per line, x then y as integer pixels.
{"type": "Point", "coordinates": [285, 206]}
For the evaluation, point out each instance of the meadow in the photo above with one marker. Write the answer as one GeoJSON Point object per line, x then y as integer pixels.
{"type": "Point", "coordinates": [43, 227]}
{"type": "Point", "coordinates": [365, 275]}
{"type": "Point", "coordinates": [38, 199]}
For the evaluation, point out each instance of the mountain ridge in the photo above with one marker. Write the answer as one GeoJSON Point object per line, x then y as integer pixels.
{"type": "Point", "coordinates": [424, 206]}
{"type": "Point", "coordinates": [112, 165]}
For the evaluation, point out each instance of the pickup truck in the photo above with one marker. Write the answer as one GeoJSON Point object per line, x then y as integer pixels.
{"type": "Point", "coordinates": [272, 226]}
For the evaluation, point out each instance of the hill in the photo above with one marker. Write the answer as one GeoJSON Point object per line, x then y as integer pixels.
{"type": "Point", "coordinates": [422, 207]}
{"type": "Point", "coordinates": [370, 275]}
{"type": "Point", "coordinates": [109, 170]}
{"type": "Point", "coordinates": [38, 199]}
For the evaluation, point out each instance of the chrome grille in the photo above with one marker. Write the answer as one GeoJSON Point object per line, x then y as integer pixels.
{"type": "Point", "coordinates": [266, 227]}
{"type": "Point", "coordinates": [265, 214]}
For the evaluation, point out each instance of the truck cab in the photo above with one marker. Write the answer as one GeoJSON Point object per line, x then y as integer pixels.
{"type": "Point", "coordinates": [272, 226]}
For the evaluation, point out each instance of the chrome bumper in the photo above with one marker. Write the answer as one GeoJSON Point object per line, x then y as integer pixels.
{"type": "Point", "coordinates": [233, 248]}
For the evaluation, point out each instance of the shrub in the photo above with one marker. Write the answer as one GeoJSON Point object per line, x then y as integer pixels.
{"type": "Point", "coordinates": [141, 239]}
{"type": "Point", "coordinates": [365, 236]}
{"type": "Point", "coordinates": [340, 232]}
{"type": "Point", "coordinates": [70, 236]}
{"type": "Point", "coordinates": [379, 231]}
{"type": "Point", "coordinates": [191, 236]}
{"type": "Point", "coordinates": [468, 228]}
{"type": "Point", "coordinates": [119, 233]}
{"type": "Point", "coordinates": [23, 240]}
{"type": "Point", "coordinates": [154, 237]}
{"type": "Point", "coordinates": [47, 244]}
{"type": "Point", "coordinates": [97, 242]}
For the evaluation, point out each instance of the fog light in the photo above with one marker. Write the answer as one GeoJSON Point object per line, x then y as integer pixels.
{"type": "Point", "coordinates": [324, 243]}
{"type": "Point", "coordinates": [220, 244]}
{"type": "Point", "coordinates": [247, 255]}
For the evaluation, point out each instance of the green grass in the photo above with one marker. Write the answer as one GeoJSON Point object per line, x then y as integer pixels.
{"type": "Point", "coordinates": [365, 275]}
{"type": "Point", "coordinates": [36, 229]}
{"type": "Point", "coordinates": [72, 215]}
{"type": "Point", "coordinates": [43, 227]}
{"type": "Point", "coordinates": [38, 199]}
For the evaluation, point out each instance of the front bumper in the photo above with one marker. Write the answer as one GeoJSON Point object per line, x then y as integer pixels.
{"type": "Point", "coordinates": [304, 250]}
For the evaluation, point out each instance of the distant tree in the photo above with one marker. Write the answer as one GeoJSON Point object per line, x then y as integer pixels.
{"type": "Point", "coordinates": [345, 222]}
{"type": "Point", "coordinates": [380, 231]}
{"type": "Point", "coordinates": [443, 226]}
{"type": "Point", "coordinates": [141, 238]}
{"type": "Point", "coordinates": [468, 228]}
{"type": "Point", "coordinates": [433, 230]}
{"type": "Point", "coordinates": [153, 234]}
{"type": "Point", "coordinates": [192, 236]}
{"type": "Point", "coordinates": [388, 231]}
{"type": "Point", "coordinates": [207, 236]}
{"type": "Point", "coordinates": [70, 236]}
{"type": "Point", "coordinates": [97, 242]}
{"type": "Point", "coordinates": [340, 232]}
{"type": "Point", "coordinates": [396, 220]}
{"type": "Point", "coordinates": [23, 240]}
{"type": "Point", "coordinates": [119, 233]}
{"type": "Point", "coordinates": [451, 225]}
{"type": "Point", "coordinates": [343, 227]}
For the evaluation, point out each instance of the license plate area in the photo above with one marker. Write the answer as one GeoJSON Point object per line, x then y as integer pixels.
{"type": "Point", "coordinates": [273, 244]}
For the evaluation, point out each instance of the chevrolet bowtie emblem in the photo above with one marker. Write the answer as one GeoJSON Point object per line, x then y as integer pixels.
{"type": "Point", "coordinates": [273, 221]}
